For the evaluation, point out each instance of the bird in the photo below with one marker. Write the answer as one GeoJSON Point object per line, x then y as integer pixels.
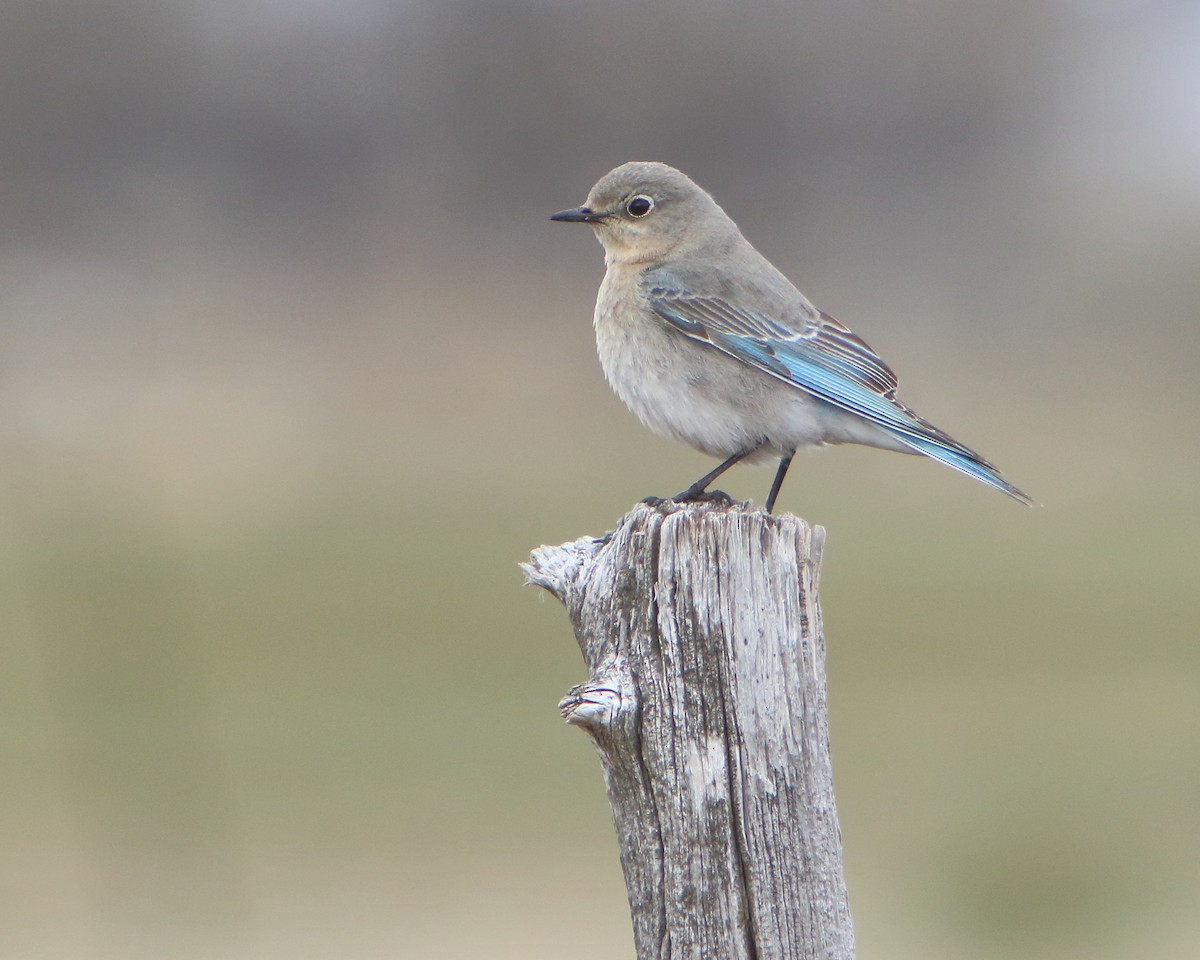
{"type": "Point", "coordinates": [709, 344]}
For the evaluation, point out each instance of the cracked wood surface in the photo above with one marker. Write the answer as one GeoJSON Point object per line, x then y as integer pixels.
{"type": "Point", "coordinates": [707, 705]}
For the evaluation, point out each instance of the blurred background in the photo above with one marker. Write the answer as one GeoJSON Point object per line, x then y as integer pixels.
{"type": "Point", "coordinates": [294, 371]}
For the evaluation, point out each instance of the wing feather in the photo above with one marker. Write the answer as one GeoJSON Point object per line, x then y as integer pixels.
{"type": "Point", "coordinates": [821, 356]}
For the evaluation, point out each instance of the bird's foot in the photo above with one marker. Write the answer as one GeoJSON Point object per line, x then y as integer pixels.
{"type": "Point", "coordinates": [689, 495]}
{"type": "Point", "coordinates": [718, 497]}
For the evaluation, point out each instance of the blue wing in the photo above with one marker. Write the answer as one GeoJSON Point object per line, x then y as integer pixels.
{"type": "Point", "coordinates": [822, 357]}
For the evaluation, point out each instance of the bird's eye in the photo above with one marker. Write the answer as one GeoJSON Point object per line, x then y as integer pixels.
{"type": "Point", "coordinates": [640, 205]}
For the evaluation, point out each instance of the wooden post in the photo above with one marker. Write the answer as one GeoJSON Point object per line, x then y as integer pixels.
{"type": "Point", "coordinates": [706, 702]}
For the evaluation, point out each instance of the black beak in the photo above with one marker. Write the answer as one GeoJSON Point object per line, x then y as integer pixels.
{"type": "Point", "coordinates": [577, 215]}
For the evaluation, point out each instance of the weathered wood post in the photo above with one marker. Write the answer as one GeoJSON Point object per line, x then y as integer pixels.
{"type": "Point", "coordinates": [706, 702]}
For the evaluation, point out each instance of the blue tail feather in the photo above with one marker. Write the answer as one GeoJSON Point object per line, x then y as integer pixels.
{"type": "Point", "coordinates": [964, 464]}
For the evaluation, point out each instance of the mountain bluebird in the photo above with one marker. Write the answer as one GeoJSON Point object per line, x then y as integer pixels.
{"type": "Point", "coordinates": [708, 343]}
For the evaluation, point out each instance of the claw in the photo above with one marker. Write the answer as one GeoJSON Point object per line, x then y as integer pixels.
{"type": "Point", "coordinates": [703, 496]}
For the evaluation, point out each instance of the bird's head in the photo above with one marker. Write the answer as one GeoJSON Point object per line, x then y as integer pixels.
{"type": "Point", "coordinates": [642, 212]}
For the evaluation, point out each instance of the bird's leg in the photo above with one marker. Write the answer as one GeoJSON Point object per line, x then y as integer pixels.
{"type": "Point", "coordinates": [784, 463]}
{"type": "Point", "coordinates": [699, 489]}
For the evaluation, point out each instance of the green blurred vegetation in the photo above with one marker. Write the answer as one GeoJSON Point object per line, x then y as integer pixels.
{"type": "Point", "coordinates": [293, 373]}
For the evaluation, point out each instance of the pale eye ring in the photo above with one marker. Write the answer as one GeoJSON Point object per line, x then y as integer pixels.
{"type": "Point", "coordinates": [639, 206]}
